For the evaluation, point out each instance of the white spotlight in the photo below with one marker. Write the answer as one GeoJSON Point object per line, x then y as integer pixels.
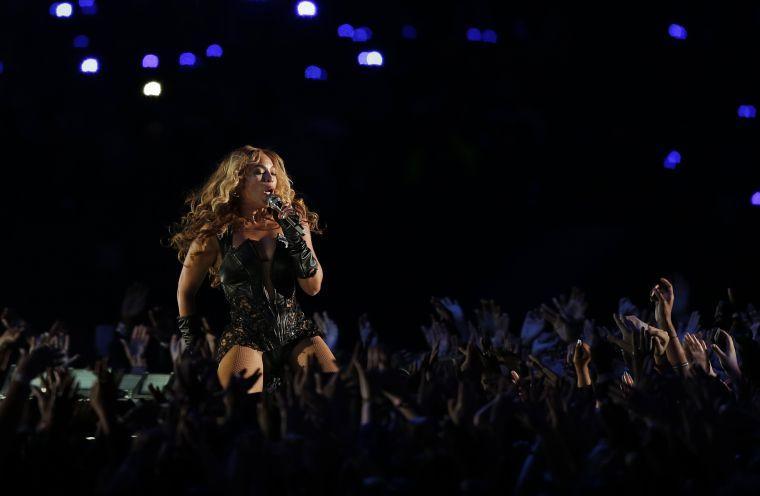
{"type": "Point", "coordinates": [306, 9]}
{"type": "Point", "coordinates": [152, 88]}
{"type": "Point", "coordinates": [89, 66]}
{"type": "Point", "coordinates": [374, 58]}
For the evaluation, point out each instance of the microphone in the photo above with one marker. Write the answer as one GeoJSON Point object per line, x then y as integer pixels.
{"type": "Point", "coordinates": [275, 203]}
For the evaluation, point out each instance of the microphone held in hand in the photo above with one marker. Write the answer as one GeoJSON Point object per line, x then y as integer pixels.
{"type": "Point", "coordinates": [275, 202]}
{"type": "Point", "coordinates": [303, 258]}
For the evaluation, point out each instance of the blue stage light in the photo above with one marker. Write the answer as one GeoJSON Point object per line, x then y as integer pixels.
{"type": "Point", "coordinates": [214, 51]}
{"type": "Point", "coordinates": [315, 72]}
{"type": "Point", "coordinates": [473, 34]}
{"type": "Point", "coordinates": [81, 41]}
{"type": "Point", "coordinates": [489, 36]}
{"type": "Point", "coordinates": [755, 200]}
{"type": "Point", "coordinates": [88, 7]}
{"type": "Point", "coordinates": [306, 9]}
{"type": "Point", "coordinates": [672, 160]}
{"type": "Point", "coordinates": [362, 34]}
{"type": "Point", "coordinates": [89, 65]}
{"type": "Point", "coordinates": [312, 72]}
{"type": "Point", "coordinates": [187, 58]}
{"type": "Point", "coordinates": [677, 31]}
{"type": "Point", "coordinates": [2, 68]}
{"type": "Point", "coordinates": [150, 61]}
{"type": "Point", "coordinates": [362, 58]}
{"type": "Point", "coordinates": [345, 31]}
{"type": "Point", "coordinates": [409, 32]}
{"type": "Point", "coordinates": [746, 111]}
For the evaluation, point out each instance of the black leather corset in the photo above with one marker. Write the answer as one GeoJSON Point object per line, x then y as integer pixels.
{"type": "Point", "coordinates": [258, 319]}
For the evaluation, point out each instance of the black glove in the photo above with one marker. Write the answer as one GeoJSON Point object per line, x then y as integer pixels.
{"type": "Point", "coordinates": [190, 329]}
{"type": "Point", "coordinates": [303, 258]}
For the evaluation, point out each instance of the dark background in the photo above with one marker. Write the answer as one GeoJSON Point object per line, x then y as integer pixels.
{"type": "Point", "coordinates": [508, 171]}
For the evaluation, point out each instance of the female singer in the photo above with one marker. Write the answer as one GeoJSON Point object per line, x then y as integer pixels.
{"type": "Point", "coordinates": [256, 255]}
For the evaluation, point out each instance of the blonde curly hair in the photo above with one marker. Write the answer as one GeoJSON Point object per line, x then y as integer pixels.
{"type": "Point", "coordinates": [215, 206]}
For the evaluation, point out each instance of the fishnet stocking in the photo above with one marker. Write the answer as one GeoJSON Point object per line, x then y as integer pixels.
{"type": "Point", "coordinates": [313, 346]}
{"type": "Point", "coordinates": [237, 359]}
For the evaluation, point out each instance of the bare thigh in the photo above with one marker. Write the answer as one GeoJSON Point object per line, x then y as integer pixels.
{"type": "Point", "coordinates": [316, 346]}
{"type": "Point", "coordinates": [237, 359]}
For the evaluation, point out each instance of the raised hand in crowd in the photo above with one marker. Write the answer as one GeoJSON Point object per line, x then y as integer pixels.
{"type": "Point", "coordinates": [492, 323]}
{"type": "Point", "coordinates": [472, 365]}
{"type": "Point", "coordinates": [531, 327]}
{"type": "Point", "coordinates": [567, 316]}
{"type": "Point", "coordinates": [135, 348]}
{"type": "Point", "coordinates": [238, 400]}
{"type": "Point", "coordinates": [177, 347]}
{"type": "Point", "coordinates": [30, 365]}
{"type": "Point", "coordinates": [437, 336]}
{"type": "Point", "coordinates": [377, 358]}
{"type": "Point", "coordinates": [544, 342]}
{"type": "Point", "coordinates": [103, 396]}
{"type": "Point", "coordinates": [12, 320]}
{"type": "Point", "coordinates": [9, 337]}
{"type": "Point", "coordinates": [660, 339]}
{"type": "Point", "coordinates": [698, 353]}
{"type": "Point", "coordinates": [33, 363]}
{"type": "Point", "coordinates": [329, 327]}
{"type": "Point", "coordinates": [450, 313]}
{"type": "Point", "coordinates": [581, 361]}
{"type": "Point", "coordinates": [726, 351]}
{"type": "Point", "coordinates": [365, 391]}
{"type": "Point", "coordinates": [663, 296]}
{"type": "Point", "coordinates": [366, 332]}
{"type": "Point", "coordinates": [55, 399]}
{"type": "Point", "coordinates": [57, 337]}
{"type": "Point", "coordinates": [637, 345]}
{"type": "Point", "coordinates": [461, 408]}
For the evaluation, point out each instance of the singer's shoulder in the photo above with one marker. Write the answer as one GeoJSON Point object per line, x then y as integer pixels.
{"type": "Point", "coordinates": [208, 239]}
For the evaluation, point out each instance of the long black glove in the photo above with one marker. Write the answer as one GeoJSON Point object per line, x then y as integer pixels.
{"type": "Point", "coordinates": [303, 258]}
{"type": "Point", "coordinates": [190, 329]}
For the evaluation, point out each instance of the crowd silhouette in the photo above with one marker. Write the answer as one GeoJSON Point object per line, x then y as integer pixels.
{"type": "Point", "coordinates": [642, 401]}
